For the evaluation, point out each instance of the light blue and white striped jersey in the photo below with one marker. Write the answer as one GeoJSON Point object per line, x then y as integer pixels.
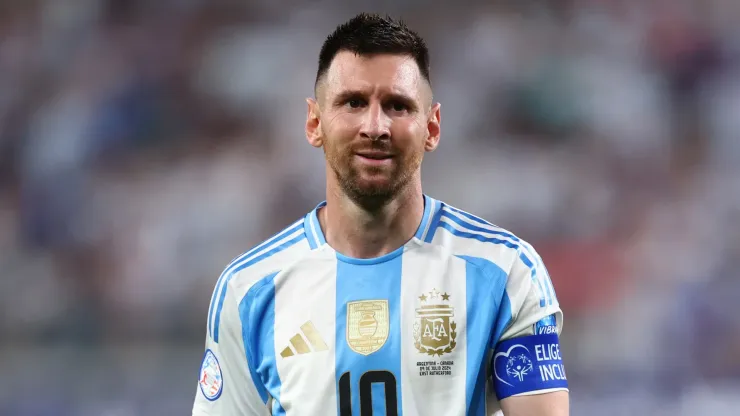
{"type": "Point", "coordinates": [461, 316]}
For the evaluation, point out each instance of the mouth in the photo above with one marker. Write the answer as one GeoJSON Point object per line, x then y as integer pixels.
{"type": "Point", "coordinates": [374, 158]}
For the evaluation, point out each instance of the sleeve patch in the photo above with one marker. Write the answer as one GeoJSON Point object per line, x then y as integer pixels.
{"type": "Point", "coordinates": [211, 379]}
{"type": "Point", "coordinates": [527, 364]}
{"type": "Point", "coordinates": [547, 325]}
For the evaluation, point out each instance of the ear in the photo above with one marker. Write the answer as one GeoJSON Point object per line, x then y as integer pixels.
{"type": "Point", "coordinates": [313, 124]}
{"type": "Point", "coordinates": [433, 128]}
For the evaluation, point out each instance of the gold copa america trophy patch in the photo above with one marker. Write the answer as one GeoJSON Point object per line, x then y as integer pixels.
{"type": "Point", "coordinates": [368, 324]}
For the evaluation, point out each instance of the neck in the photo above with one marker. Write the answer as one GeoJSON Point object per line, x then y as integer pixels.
{"type": "Point", "coordinates": [357, 232]}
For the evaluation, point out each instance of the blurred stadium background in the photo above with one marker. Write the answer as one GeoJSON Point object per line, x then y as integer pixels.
{"type": "Point", "coordinates": [144, 144]}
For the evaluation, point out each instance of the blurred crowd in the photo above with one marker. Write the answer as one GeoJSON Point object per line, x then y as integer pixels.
{"type": "Point", "coordinates": [144, 144]}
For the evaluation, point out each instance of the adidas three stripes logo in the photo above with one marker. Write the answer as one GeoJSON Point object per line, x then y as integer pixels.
{"type": "Point", "coordinates": [301, 346]}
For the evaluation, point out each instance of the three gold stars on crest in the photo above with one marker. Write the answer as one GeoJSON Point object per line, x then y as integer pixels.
{"type": "Point", "coordinates": [434, 294]}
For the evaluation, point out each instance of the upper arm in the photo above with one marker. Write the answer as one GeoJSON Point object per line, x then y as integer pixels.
{"type": "Point", "coordinates": [550, 404]}
{"type": "Point", "coordinates": [526, 366]}
{"type": "Point", "coordinates": [225, 383]}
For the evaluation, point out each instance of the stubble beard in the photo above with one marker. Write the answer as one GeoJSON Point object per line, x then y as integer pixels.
{"type": "Point", "coordinates": [372, 196]}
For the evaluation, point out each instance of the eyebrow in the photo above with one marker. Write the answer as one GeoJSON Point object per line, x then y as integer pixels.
{"type": "Point", "coordinates": [346, 95]}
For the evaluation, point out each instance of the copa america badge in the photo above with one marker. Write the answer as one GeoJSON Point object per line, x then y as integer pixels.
{"type": "Point", "coordinates": [211, 379]}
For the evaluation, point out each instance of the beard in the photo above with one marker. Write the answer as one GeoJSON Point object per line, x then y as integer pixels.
{"type": "Point", "coordinates": [372, 187]}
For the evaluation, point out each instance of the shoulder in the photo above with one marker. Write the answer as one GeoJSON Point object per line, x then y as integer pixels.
{"type": "Point", "coordinates": [268, 257]}
{"type": "Point", "coordinates": [254, 266]}
{"type": "Point", "coordinates": [497, 252]}
{"type": "Point", "coordinates": [469, 236]}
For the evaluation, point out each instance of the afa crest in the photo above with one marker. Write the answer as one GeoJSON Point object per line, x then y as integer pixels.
{"type": "Point", "coordinates": [435, 330]}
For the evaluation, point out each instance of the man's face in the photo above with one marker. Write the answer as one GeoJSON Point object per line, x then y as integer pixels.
{"type": "Point", "coordinates": [374, 122]}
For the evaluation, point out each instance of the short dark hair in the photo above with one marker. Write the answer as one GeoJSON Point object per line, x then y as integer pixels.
{"type": "Point", "coordinates": [371, 34]}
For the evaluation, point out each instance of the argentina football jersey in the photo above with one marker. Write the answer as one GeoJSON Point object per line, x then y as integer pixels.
{"type": "Point", "coordinates": [459, 318]}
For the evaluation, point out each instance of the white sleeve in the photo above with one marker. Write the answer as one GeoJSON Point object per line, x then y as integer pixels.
{"type": "Point", "coordinates": [225, 385]}
{"type": "Point", "coordinates": [532, 297]}
{"type": "Point", "coordinates": [526, 358]}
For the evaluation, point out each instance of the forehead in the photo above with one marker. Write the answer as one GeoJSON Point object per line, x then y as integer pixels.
{"type": "Point", "coordinates": [380, 73]}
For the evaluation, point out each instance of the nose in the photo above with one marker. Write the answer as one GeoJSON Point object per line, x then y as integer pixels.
{"type": "Point", "coordinates": [376, 125]}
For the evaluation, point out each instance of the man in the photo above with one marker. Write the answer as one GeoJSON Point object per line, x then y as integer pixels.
{"type": "Point", "coordinates": [382, 300]}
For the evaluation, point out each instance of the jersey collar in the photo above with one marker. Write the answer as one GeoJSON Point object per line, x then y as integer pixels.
{"type": "Point", "coordinates": [316, 238]}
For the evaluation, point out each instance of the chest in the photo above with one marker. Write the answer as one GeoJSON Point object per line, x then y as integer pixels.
{"type": "Point", "coordinates": [408, 329]}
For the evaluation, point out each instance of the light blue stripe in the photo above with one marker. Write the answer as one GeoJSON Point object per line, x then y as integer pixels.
{"type": "Point", "coordinates": [256, 304]}
{"type": "Point", "coordinates": [470, 216]}
{"type": "Point", "coordinates": [502, 320]}
{"type": "Point", "coordinates": [220, 287]}
{"type": "Point", "coordinates": [375, 279]}
{"type": "Point", "coordinates": [428, 205]}
{"type": "Point", "coordinates": [434, 225]}
{"type": "Point", "coordinates": [478, 237]}
{"type": "Point", "coordinates": [485, 287]}
{"type": "Point", "coordinates": [544, 282]}
{"type": "Point", "coordinates": [506, 243]}
{"type": "Point", "coordinates": [251, 262]}
{"type": "Point", "coordinates": [308, 230]}
{"type": "Point", "coordinates": [529, 264]}
{"type": "Point", "coordinates": [433, 214]}
{"type": "Point", "coordinates": [490, 224]}
{"type": "Point", "coordinates": [242, 257]}
{"type": "Point", "coordinates": [550, 287]}
{"type": "Point", "coordinates": [257, 312]}
{"type": "Point", "coordinates": [548, 291]}
{"type": "Point", "coordinates": [472, 227]}
{"type": "Point", "coordinates": [317, 223]}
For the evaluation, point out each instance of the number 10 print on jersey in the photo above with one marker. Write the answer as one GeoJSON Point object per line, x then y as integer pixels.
{"type": "Point", "coordinates": [384, 379]}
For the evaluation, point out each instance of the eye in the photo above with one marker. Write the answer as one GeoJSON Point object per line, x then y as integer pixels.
{"type": "Point", "coordinates": [398, 106]}
{"type": "Point", "coordinates": [354, 103]}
